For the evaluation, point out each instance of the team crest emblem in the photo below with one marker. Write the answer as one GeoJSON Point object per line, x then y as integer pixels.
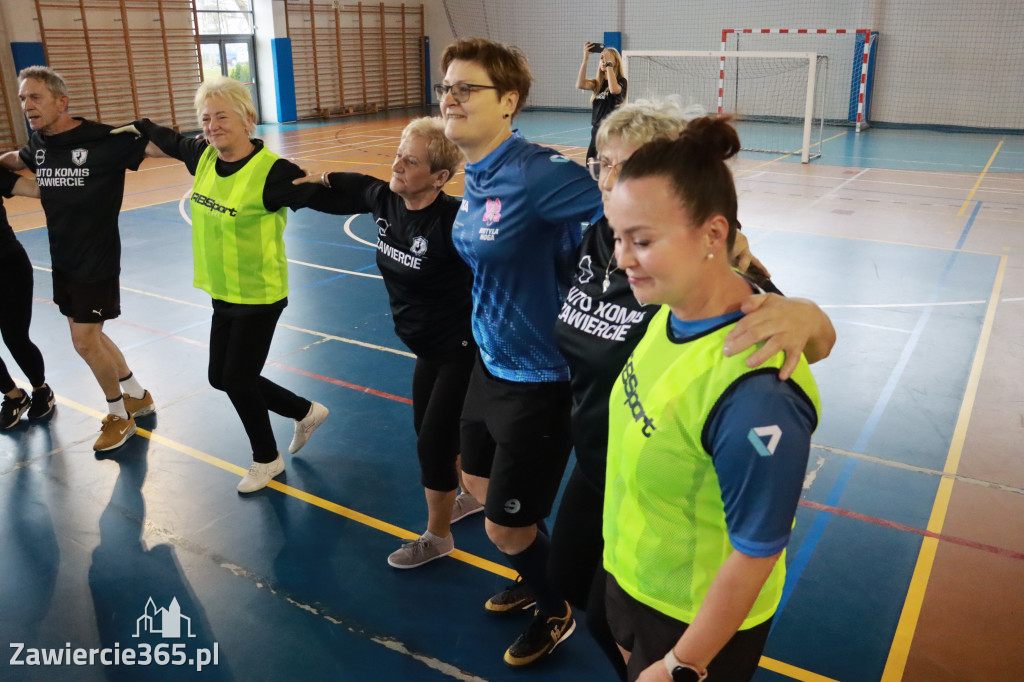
{"type": "Point", "coordinates": [382, 227]}
{"type": "Point", "coordinates": [40, 157]}
{"type": "Point", "coordinates": [492, 211]}
{"type": "Point", "coordinates": [419, 246]}
{"type": "Point", "coordinates": [586, 273]}
{"type": "Point", "coordinates": [79, 156]}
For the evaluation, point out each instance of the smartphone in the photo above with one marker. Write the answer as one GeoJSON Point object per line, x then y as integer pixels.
{"type": "Point", "coordinates": [597, 48]}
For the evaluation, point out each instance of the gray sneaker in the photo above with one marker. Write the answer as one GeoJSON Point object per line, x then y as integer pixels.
{"type": "Point", "coordinates": [465, 504]}
{"type": "Point", "coordinates": [420, 551]}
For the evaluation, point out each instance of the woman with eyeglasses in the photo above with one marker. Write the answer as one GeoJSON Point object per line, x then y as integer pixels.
{"type": "Point", "coordinates": [522, 216]}
{"type": "Point", "coordinates": [601, 322]}
{"type": "Point", "coordinates": [428, 287]}
{"type": "Point", "coordinates": [607, 87]}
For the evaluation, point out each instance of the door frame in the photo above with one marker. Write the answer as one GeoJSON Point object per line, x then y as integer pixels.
{"type": "Point", "coordinates": [221, 40]}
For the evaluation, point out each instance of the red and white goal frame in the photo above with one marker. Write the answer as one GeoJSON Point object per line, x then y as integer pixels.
{"type": "Point", "coordinates": [865, 61]}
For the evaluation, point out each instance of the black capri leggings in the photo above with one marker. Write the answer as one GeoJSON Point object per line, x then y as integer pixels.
{"type": "Point", "coordinates": [15, 317]}
{"type": "Point", "coordinates": [438, 391]}
{"type": "Point", "coordinates": [576, 561]}
{"type": "Point", "coordinates": [239, 345]}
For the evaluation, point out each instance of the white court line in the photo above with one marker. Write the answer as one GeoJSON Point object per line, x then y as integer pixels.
{"type": "Point", "coordinates": [350, 233]}
{"type": "Point", "coordinates": [900, 305]}
{"type": "Point", "coordinates": [324, 267]}
{"type": "Point", "coordinates": [832, 192]}
{"type": "Point", "coordinates": [188, 219]}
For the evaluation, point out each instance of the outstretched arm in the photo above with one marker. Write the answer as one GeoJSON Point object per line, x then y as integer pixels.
{"type": "Point", "coordinates": [791, 325]}
{"type": "Point", "coordinates": [25, 187]}
{"type": "Point", "coordinates": [11, 161]}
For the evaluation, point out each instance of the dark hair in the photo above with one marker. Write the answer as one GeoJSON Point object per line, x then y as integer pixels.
{"type": "Point", "coordinates": [506, 65]}
{"type": "Point", "coordinates": [694, 165]}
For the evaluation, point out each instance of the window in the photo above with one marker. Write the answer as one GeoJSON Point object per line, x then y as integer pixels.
{"type": "Point", "coordinates": [218, 17]}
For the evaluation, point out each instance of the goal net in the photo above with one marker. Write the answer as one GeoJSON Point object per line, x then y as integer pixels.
{"type": "Point", "coordinates": [850, 54]}
{"type": "Point", "coordinates": [776, 97]}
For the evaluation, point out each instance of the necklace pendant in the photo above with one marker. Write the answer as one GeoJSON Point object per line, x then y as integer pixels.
{"type": "Point", "coordinates": [606, 284]}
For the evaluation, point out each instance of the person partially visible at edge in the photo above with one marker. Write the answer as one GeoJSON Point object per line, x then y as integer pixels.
{"type": "Point", "coordinates": [521, 220]}
{"type": "Point", "coordinates": [80, 171]}
{"type": "Point", "coordinates": [239, 205]}
{"type": "Point", "coordinates": [607, 88]}
{"type": "Point", "coordinates": [429, 289]}
{"type": "Point", "coordinates": [706, 456]}
{"type": "Point", "coordinates": [596, 346]}
{"type": "Point", "coordinates": [16, 316]}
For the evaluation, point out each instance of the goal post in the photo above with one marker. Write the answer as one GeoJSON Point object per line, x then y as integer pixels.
{"type": "Point", "coordinates": [851, 54]}
{"type": "Point", "coordinates": [775, 97]}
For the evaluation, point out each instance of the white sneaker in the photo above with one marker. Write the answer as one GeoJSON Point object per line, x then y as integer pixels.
{"type": "Point", "coordinates": [465, 504]}
{"type": "Point", "coordinates": [305, 428]}
{"type": "Point", "coordinates": [421, 550]}
{"type": "Point", "coordinates": [259, 475]}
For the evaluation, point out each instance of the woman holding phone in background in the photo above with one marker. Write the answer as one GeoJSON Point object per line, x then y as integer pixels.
{"type": "Point", "coordinates": [608, 87]}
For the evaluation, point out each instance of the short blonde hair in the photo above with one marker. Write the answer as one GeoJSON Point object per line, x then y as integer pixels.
{"type": "Point", "coordinates": [442, 153]}
{"type": "Point", "coordinates": [237, 95]}
{"type": "Point", "coordinates": [646, 120]}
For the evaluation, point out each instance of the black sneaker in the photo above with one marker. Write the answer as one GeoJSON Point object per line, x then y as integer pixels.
{"type": "Point", "coordinates": [541, 638]}
{"type": "Point", "coordinates": [12, 409]}
{"type": "Point", "coordinates": [42, 403]}
{"type": "Point", "coordinates": [515, 597]}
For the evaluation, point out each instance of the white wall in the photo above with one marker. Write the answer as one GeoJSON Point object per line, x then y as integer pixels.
{"type": "Point", "coordinates": [942, 62]}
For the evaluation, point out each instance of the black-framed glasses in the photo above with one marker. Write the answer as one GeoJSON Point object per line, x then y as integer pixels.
{"type": "Point", "coordinates": [595, 166]}
{"type": "Point", "coordinates": [460, 91]}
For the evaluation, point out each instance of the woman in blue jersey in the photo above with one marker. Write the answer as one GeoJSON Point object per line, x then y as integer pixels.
{"type": "Point", "coordinates": [706, 456]}
{"type": "Point", "coordinates": [521, 219]}
{"type": "Point", "coordinates": [239, 201]}
{"type": "Point", "coordinates": [599, 325]}
{"type": "Point", "coordinates": [428, 287]}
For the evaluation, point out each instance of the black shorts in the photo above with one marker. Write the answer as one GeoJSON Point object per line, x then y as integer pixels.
{"type": "Point", "coordinates": [518, 436]}
{"type": "Point", "coordinates": [648, 634]}
{"type": "Point", "coordinates": [86, 302]}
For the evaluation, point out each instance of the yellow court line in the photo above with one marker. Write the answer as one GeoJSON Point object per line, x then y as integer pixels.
{"type": "Point", "coordinates": [980, 178]}
{"type": "Point", "coordinates": [385, 527]}
{"type": "Point", "coordinates": [792, 671]}
{"type": "Point", "coordinates": [333, 507]}
{"type": "Point", "coordinates": [904, 635]}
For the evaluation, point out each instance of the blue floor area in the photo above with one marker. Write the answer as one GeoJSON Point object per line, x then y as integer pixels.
{"type": "Point", "coordinates": [286, 589]}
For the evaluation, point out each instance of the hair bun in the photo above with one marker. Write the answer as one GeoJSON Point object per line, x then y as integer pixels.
{"type": "Point", "coordinates": [712, 135]}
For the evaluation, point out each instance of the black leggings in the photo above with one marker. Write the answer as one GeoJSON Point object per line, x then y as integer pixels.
{"type": "Point", "coordinates": [15, 317]}
{"type": "Point", "coordinates": [576, 564]}
{"type": "Point", "coordinates": [438, 391]}
{"type": "Point", "coordinates": [239, 345]}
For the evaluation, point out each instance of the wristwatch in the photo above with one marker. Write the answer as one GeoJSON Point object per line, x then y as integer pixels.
{"type": "Point", "coordinates": [682, 672]}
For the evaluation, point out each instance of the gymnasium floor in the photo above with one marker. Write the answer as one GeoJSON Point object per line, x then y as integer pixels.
{"type": "Point", "coordinates": [908, 553]}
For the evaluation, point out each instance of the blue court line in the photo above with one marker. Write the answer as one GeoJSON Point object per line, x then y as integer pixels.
{"type": "Point", "coordinates": [821, 521]}
{"type": "Point", "coordinates": [159, 337]}
{"type": "Point", "coordinates": [967, 227]}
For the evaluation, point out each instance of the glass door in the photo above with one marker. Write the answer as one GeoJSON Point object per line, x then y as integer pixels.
{"type": "Point", "coordinates": [232, 57]}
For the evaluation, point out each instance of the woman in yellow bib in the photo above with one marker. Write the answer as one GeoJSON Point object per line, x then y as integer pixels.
{"type": "Point", "coordinates": [239, 203]}
{"type": "Point", "coordinates": [706, 456]}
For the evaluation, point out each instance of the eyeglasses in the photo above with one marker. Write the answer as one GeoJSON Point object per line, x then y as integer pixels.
{"type": "Point", "coordinates": [460, 91]}
{"type": "Point", "coordinates": [595, 166]}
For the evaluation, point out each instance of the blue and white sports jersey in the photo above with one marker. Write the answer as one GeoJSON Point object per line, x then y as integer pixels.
{"type": "Point", "coordinates": [520, 224]}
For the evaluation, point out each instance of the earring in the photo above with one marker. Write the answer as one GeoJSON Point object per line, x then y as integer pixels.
{"type": "Point", "coordinates": [710, 256]}
{"type": "Point", "coordinates": [505, 116]}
